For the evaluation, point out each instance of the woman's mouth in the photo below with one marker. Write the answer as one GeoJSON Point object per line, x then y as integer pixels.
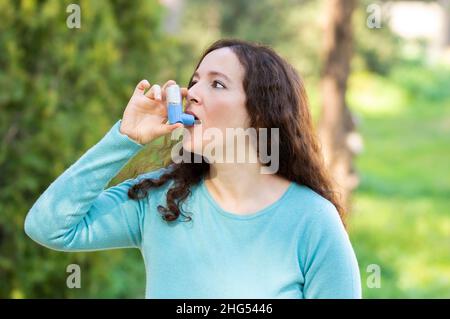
{"type": "Point", "coordinates": [196, 119]}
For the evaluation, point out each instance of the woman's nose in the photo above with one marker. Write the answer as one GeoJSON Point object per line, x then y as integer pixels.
{"type": "Point", "coordinates": [192, 96]}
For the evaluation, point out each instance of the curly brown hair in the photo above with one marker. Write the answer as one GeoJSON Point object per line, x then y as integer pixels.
{"type": "Point", "coordinates": [275, 98]}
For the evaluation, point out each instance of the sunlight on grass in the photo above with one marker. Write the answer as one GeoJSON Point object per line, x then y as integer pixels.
{"type": "Point", "coordinates": [418, 275]}
{"type": "Point", "coordinates": [369, 94]}
{"type": "Point", "coordinates": [401, 210]}
{"type": "Point", "coordinates": [406, 238]}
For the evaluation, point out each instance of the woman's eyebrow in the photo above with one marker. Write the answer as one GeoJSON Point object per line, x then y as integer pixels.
{"type": "Point", "coordinates": [214, 73]}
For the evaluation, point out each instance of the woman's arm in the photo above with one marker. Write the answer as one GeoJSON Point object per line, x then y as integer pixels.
{"type": "Point", "coordinates": [75, 213]}
{"type": "Point", "coordinates": [329, 263]}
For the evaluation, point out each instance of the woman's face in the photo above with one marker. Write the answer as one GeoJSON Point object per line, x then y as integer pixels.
{"type": "Point", "coordinates": [217, 98]}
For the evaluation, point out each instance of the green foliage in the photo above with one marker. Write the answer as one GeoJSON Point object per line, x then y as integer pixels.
{"type": "Point", "coordinates": [61, 89]}
{"type": "Point", "coordinates": [400, 219]}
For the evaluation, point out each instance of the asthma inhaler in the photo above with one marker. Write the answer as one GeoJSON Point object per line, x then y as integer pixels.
{"type": "Point", "coordinates": [175, 109]}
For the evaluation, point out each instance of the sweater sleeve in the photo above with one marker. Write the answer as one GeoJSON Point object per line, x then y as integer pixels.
{"type": "Point", "coordinates": [329, 263]}
{"type": "Point", "coordinates": [75, 213]}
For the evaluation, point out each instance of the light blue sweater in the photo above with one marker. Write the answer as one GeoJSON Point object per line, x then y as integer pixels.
{"type": "Point", "coordinates": [294, 248]}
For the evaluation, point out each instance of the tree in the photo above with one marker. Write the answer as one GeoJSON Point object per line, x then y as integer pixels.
{"type": "Point", "coordinates": [336, 125]}
{"type": "Point", "coordinates": [61, 89]}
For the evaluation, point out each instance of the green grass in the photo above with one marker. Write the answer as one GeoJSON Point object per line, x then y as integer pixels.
{"type": "Point", "coordinates": [401, 215]}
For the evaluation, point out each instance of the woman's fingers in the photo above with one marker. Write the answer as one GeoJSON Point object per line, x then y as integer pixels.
{"type": "Point", "coordinates": [158, 93]}
{"type": "Point", "coordinates": [154, 92]}
{"type": "Point", "coordinates": [168, 128]}
{"type": "Point", "coordinates": [168, 83]}
{"type": "Point", "coordinates": [141, 87]}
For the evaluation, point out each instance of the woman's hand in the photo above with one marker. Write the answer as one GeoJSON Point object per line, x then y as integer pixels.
{"type": "Point", "coordinates": [145, 116]}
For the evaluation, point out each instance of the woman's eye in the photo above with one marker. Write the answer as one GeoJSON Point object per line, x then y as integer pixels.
{"type": "Point", "coordinates": [215, 83]}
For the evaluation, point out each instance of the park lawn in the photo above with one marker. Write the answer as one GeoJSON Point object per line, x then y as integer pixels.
{"type": "Point", "coordinates": [401, 209]}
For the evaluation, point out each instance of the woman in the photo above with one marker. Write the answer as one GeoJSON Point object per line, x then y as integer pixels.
{"type": "Point", "coordinates": [210, 228]}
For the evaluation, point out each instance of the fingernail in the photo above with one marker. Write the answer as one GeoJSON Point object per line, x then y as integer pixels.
{"type": "Point", "coordinates": [157, 92]}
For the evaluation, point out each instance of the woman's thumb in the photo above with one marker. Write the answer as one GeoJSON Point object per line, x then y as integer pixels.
{"type": "Point", "coordinates": [169, 128]}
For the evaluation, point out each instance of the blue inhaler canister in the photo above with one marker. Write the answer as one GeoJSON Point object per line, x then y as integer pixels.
{"type": "Point", "coordinates": [175, 108]}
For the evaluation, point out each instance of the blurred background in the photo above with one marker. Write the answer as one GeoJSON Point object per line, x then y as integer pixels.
{"type": "Point", "coordinates": [378, 78]}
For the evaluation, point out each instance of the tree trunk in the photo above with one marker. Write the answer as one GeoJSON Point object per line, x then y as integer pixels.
{"type": "Point", "coordinates": [336, 128]}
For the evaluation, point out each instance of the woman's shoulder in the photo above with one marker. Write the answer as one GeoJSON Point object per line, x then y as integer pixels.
{"type": "Point", "coordinates": [311, 207]}
{"type": "Point", "coordinates": [319, 223]}
{"type": "Point", "coordinates": [154, 173]}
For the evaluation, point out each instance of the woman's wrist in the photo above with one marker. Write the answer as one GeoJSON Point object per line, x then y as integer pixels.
{"type": "Point", "coordinates": [126, 132]}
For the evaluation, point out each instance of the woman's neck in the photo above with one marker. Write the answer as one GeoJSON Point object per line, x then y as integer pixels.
{"type": "Point", "coordinates": [241, 188]}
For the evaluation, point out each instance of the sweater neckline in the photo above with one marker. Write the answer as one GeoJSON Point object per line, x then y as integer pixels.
{"type": "Point", "coordinates": [236, 216]}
